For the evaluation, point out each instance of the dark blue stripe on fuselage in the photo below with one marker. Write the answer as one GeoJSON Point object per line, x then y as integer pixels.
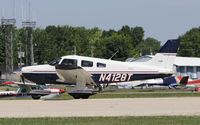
{"type": "Point", "coordinates": [41, 78]}
{"type": "Point", "coordinates": [109, 79]}
{"type": "Point", "coordinates": [50, 78]}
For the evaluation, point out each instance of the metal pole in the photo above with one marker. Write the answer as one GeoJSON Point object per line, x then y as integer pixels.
{"type": "Point", "coordinates": [92, 54]}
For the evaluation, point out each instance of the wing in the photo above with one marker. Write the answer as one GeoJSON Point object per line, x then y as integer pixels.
{"type": "Point", "coordinates": [7, 83]}
{"type": "Point", "coordinates": [19, 84]}
{"type": "Point", "coordinates": [71, 74]}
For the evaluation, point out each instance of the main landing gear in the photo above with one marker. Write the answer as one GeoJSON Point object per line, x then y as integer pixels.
{"type": "Point", "coordinates": [84, 94]}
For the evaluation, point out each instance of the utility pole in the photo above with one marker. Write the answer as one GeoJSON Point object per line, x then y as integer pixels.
{"type": "Point", "coordinates": [92, 53]}
{"type": "Point", "coordinates": [29, 25]}
{"type": "Point", "coordinates": [74, 50]}
{"type": "Point", "coordinates": [20, 54]}
{"type": "Point", "coordinates": [8, 26]}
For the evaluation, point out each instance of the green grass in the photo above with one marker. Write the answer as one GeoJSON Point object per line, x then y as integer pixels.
{"type": "Point", "coordinates": [129, 120]}
{"type": "Point", "coordinates": [130, 93]}
{"type": "Point", "coordinates": [4, 88]}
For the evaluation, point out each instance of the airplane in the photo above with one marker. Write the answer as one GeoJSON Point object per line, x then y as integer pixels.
{"type": "Point", "coordinates": [88, 72]}
{"type": "Point", "coordinates": [28, 90]}
{"type": "Point", "coordinates": [171, 82]}
{"type": "Point", "coordinates": [193, 84]}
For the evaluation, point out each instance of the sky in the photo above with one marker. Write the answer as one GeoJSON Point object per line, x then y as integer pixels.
{"type": "Point", "coordinates": [160, 19]}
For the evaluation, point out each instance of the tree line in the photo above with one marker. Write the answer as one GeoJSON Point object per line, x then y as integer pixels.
{"type": "Point", "coordinates": [55, 41]}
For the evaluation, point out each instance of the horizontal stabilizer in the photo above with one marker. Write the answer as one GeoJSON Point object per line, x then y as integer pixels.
{"type": "Point", "coordinates": [170, 81]}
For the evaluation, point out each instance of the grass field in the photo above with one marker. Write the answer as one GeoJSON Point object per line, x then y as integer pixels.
{"type": "Point", "coordinates": [129, 120]}
{"type": "Point", "coordinates": [131, 93]}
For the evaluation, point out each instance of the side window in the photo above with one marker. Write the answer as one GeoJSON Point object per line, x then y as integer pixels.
{"type": "Point", "coordinates": [85, 63]}
{"type": "Point", "coordinates": [69, 62]}
{"type": "Point", "coordinates": [101, 65]}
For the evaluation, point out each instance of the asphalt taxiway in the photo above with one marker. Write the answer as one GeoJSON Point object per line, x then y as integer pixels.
{"type": "Point", "coordinates": [101, 107]}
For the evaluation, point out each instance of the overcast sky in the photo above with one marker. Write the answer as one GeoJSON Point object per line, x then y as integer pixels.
{"type": "Point", "coordinates": [161, 19]}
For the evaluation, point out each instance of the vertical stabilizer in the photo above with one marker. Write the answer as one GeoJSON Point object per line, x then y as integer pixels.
{"type": "Point", "coordinates": [166, 55]}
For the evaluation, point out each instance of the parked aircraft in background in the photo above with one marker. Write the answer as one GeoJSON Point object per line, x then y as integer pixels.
{"type": "Point", "coordinates": [91, 72]}
{"type": "Point", "coordinates": [171, 82]}
{"type": "Point", "coordinates": [193, 84]}
{"type": "Point", "coordinates": [31, 90]}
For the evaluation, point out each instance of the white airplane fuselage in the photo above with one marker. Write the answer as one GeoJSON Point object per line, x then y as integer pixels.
{"type": "Point", "coordinates": [101, 70]}
{"type": "Point", "coordinates": [72, 68]}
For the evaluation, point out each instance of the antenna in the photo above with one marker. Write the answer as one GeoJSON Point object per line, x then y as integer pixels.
{"type": "Point", "coordinates": [2, 13]}
{"type": "Point", "coordinates": [26, 10]}
{"type": "Point", "coordinates": [29, 26]}
{"type": "Point", "coordinates": [113, 55]}
{"type": "Point", "coordinates": [29, 11]}
{"type": "Point", "coordinates": [14, 10]}
{"type": "Point", "coordinates": [22, 13]}
{"type": "Point", "coordinates": [33, 15]}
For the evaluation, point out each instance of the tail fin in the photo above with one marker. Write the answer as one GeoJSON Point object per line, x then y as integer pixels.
{"type": "Point", "coordinates": [166, 55]}
{"type": "Point", "coordinates": [184, 80]}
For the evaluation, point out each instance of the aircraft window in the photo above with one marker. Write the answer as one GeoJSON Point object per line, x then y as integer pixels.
{"type": "Point", "coordinates": [85, 63]}
{"type": "Point", "coordinates": [23, 90]}
{"type": "Point", "coordinates": [69, 62]}
{"type": "Point", "coordinates": [101, 65]}
{"type": "Point", "coordinates": [54, 62]}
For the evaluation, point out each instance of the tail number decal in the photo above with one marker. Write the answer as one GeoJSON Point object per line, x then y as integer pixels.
{"type": "Point", "coordinates": [115, 77]}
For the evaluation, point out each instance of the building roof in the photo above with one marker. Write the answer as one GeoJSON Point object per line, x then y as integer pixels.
{"type": "Point", "coordinates": [187, 61]}
{"type": "Point", "coordinates": [179, 61]}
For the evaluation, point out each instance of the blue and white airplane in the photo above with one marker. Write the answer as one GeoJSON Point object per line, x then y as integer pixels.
{"type": "Point", "coordinates": [87, 71]}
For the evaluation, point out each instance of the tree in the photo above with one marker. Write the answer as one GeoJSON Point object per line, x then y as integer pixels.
{"type": "Point", "coordinates": [190, 43]}
{"type": "Point", "coordinates": [2, 46]}
{"type": "Point", "coordinates": [116, 43]}
{"type": "Point", "coordinates": [149, 46]}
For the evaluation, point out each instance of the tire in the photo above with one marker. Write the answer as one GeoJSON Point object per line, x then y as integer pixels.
{"type": "Point", "coordinates": [85, 97]}
{"type": "Point", "coordinates": [36, 97]}
{"type": "Point", "coordinates": [76, 97]}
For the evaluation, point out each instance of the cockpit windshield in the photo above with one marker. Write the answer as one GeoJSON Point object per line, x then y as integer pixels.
{"type": "Point", "coordinates": [55, 62]}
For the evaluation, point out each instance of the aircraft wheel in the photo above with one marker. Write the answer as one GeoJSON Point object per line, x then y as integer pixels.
{"type": "Point", "coordinates": [76, 97]}
{"type": "Point", "coordinates": [85, 97]}
{"type": "Point", "coordinates": [36, 97]}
